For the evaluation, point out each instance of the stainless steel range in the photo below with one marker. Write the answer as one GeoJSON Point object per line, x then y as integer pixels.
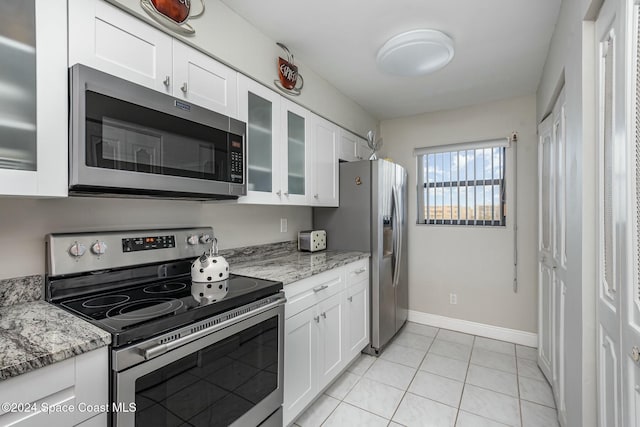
{"type": "Point", "coordinates": [181, 359]}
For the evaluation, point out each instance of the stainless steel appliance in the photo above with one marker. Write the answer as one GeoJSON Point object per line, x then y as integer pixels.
{"type": "Point", "coordinates": [372, 217]}
{"type": "Point", "coordinates": [126, 139]}
{"type": "Point", "coordinates": [201, 362]}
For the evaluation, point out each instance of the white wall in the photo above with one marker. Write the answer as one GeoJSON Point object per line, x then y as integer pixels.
{"type": "Point", "coordinates": [227, 36]}
{"type": "Point", "coordinates": [570, 64]}
{"type": "Point", "coordinates": [25, 222]}
{"type": "Point", "coordinates": [474, 263]}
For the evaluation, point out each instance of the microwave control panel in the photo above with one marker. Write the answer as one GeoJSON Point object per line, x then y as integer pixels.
{"type": "Point", "coordinates": [237, 159]}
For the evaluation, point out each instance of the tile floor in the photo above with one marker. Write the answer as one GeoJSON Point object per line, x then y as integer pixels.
{"type": "Point", "coordinates": [435, 377]}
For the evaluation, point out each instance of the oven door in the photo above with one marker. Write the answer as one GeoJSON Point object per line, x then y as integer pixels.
{"type": "Point", "coordinates": [233, 376]}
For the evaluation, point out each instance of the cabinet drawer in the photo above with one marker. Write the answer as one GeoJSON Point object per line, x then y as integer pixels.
{"type": "Point", "coordinates": [357, 272]}
{"type": "Point", "coordinates": [308, 292]}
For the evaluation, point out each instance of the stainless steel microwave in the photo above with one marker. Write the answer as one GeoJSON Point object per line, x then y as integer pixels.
{"type": "Point", "coordinates": [129, 140]}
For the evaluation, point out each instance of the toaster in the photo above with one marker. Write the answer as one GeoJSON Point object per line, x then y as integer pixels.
{"type": "Point", "coordinates": [312, 240]}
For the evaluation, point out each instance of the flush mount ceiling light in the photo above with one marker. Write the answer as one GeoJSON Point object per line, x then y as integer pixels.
{"type": "Point", "coordinates": [415, 53]}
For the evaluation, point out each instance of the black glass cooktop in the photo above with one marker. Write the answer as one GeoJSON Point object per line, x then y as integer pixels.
{"type": "Point", "coordinates": [142, 311]}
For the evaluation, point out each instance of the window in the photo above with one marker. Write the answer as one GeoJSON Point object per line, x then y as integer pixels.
{"type": "Point", "coordinates": [462, 184]}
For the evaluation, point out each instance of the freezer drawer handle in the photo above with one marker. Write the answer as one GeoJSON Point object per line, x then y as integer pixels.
{"type": "Point", "coordinates": [320, 288]}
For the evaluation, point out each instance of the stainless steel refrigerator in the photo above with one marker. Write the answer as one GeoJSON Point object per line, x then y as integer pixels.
{"type": "Point", "coordinates": [372, 217]}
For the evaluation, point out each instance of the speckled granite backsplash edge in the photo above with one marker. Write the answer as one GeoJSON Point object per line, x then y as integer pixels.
{"type": "Point", "coordinates": [21, 289]}
{"type": "Point", "coordinates": [24, 289]}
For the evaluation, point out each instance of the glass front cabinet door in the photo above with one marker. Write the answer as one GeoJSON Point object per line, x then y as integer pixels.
{"type": "Point", "coordinates": [278, 141]}
{"type": "Point", "coordinates": [295, 153]}
{"type": "Point", "coordinates": [260, 109]}
{"type": "Point", "coordinates": [33, 98]}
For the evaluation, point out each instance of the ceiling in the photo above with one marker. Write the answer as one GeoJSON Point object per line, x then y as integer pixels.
{"type": "Point", "coordinates": [501, 46]}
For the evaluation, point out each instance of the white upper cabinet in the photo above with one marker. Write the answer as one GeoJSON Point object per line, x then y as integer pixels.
{"type": "Point", "coordinates": [296, 156]}
{"type": "Point", "coordinates": [202, 80]}
{"type": "Point", "coordinates": [279, 143]}
{"type": "Point", "coordinates": [325, 163]}
{"type": "Point", "coordinates": [363, 152]}
{"type": "Point", "coordinates": [259, 107]}
{"type": "Point", "coordinates": [33, 114]}
{"type": "Point", "coordinates": [111, 40]}
{"type": "Point", "coordinates": [347, 149]}
{"type": "Point", "coordinates": [108, 39]}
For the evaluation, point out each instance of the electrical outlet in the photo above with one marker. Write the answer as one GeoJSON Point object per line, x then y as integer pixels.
{"type": "Point", "coordinates": [283, 225]}
{"type": "Point", "coordinates": [453, 299]}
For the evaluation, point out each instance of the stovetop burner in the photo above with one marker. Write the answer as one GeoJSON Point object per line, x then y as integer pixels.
{"type": "Point", "coordinates": [164, 288]}
{"type": "Point", "coordinates": [143, 310]}
{"type": "Point", "coordinates": [106, 301]}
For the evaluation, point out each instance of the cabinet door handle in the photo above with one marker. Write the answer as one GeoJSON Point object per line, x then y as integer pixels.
{"type": "Point", "coordinates": [317, 319]}
{"type": "Point", "coordinates": [315, 196]}
{"type": "Point", "coordinates": [320, 288]}
{"type": "Point", "coordinates": [167, 81]}
{"type": "Point", "coordinates": [360, 271]}
{"type": "Point", "coordinates": [350, 299]}
{"type": "Point", "coordinates": [286, 194]}
{"type": "Point", "coordinates": [324, 315]}
{"type": "Point", "coordinates": [184, 87]}
{"type": "Point", "coordinates": [279, 193]}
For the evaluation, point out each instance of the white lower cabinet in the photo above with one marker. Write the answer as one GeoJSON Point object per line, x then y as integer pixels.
{"type": "Point", "coordinates": [332, 351]}
{"type": "Point", "coordinates": [68, 393]}
{"type": "Point", "coordinates": [357, 309]}
{"type": "Point", "coordinates": [326, 328]}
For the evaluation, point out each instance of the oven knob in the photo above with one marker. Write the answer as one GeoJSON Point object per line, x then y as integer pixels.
{"type": "Point", "coordinates": [192, 240]}
{"type": "Point", "coordinates": [99, 248]}
{"type": "Point", "coordinates": [77, 250]}
{"type": "Point", "coordinates": [205, 238]}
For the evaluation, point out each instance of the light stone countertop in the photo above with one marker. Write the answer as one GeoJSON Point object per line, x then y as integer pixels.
{"type": "Point", "coordinates": [283, 262]}
{"type": "Point", "coordinates": [36, 334]}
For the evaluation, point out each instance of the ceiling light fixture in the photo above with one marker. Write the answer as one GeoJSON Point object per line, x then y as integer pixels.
{"type": "Point", "coordinates": [415, 53]}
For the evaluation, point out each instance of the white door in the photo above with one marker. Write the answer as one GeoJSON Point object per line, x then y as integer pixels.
{"type": "Point", "coordinates": [325, 163]}
{"type": "Point", "coordinates": [332, 355]}
{"type": "Point", "coordinates": [630, 225]}
{"type": "Point", "coordinates": [559, 262]}
{"type": "Point", "coordinates": [546, 294]}
{"type": "Point", "coordinates": [300, 362]}
{"type": "Point", "coordinates": [610, 212]}
{"type": "Point", "coordinates": [204, 81]}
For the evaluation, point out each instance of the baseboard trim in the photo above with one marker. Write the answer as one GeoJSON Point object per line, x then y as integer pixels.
{"type": "Point", "coordinates": [496, 332]}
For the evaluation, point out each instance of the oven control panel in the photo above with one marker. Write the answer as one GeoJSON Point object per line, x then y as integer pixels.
{"type": "Point", "coordinates": [237, 159]}
{"type": "Point", "coordinates": [132, 244]}
{"type": "Point", "coordinates": [71, 253]}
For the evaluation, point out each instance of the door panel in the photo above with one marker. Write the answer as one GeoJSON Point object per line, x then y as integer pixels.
{"type": "Point", "coordinates": [546, 294]}
{"type": "Point", "coordinates": [611, 211]}
{"type": "Point", "coordinates": [609, 375]}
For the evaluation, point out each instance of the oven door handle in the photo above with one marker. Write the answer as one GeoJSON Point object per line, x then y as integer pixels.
{"type": "Point", "coordinates": [160, 349]}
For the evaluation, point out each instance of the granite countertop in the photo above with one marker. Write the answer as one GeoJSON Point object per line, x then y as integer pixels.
{"type": "Point", "coordinates": [283, 261]}
{"type": "Point", "coordinates": [36, 334]}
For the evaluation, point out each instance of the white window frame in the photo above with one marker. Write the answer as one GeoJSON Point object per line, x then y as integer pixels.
{"type": "Point", "coordinates": [424, 181]}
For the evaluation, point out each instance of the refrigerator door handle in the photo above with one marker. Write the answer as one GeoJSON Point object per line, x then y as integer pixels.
{"type": "Point", "coordinates": [397, 232]}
